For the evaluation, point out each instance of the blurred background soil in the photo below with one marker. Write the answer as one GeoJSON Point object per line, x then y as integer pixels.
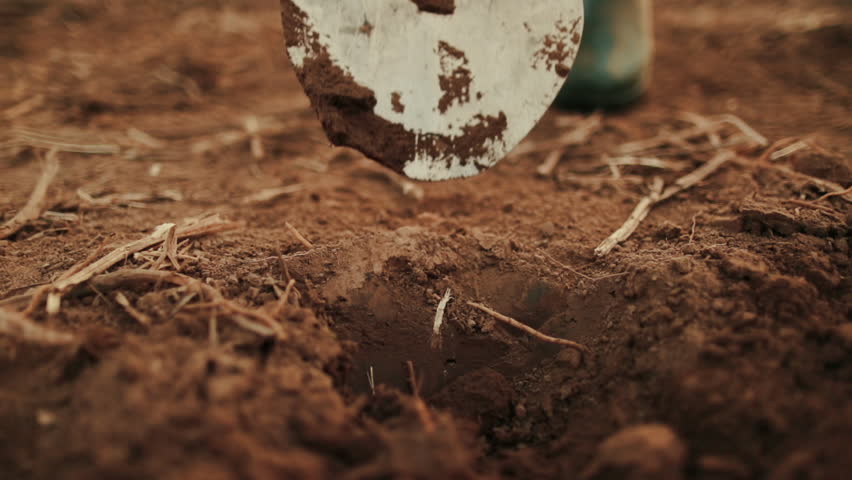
{"type": "Point", "coordinates": [720, 335]}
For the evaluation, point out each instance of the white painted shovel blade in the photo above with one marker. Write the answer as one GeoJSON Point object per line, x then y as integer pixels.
{"type": "Point", "coordinates": [434, 96]}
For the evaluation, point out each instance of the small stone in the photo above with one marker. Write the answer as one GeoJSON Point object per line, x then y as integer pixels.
{"type": "Point", "coordinates": [641, 452]}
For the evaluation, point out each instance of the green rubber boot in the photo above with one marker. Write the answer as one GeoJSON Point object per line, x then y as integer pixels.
{"type": "Point", "coordinates": [613, 66]}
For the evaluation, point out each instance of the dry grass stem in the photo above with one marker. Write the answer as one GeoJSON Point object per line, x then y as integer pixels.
{"type": "Point", "coordinates": [87, 269]}
{"type": "Point", "coordinates": [20, 327]}
{"type": "Point", "coordinates": [787, 151]}
{"type": "Point", "coordinates": [527, 329]}
{"type": "Point", "coordinates": [371, 380]}
{"type": "Point", "coordinates": [436, 342]}
{"type": "Point", "coordinates": [304, 241]}
{"type": "Point", "coordinates": [269, 194]}
{"type": "Point", "coordinates": [643, 208]}
{"type": "Point", "coordinates": [702, 121]}
{"type": "Point", "coordinates": [255, 321]}
{"type": "Point", "coordinates": [133, 200]}
{"type": "Point", "coordinates": [284, 299]}
{"type": "Point", "coordinates": [140, 317]}
{"type": "Point", "coordinates": [35, 139]}
{"type": "Point", "coordinates": [712, 125]}
{"type": "Point", "coordinates": [840, 193]}
{"type": "Point", "coordinates": [252, 128]}
{"type": "Point", "coordinates": [699, 174]}
{"type": "Point", "coordinates": [145, 139]}
{"type": "Point", "coordinates": [23, 107]}
{"type": "Point", "coordinates": [546, 168]}
{"type": "Point", "coordinates": [36, 204]}
{"type": "Point", "coordinates": [651, 162]}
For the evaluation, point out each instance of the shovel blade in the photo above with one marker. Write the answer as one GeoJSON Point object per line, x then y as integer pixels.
{"type": "Point", "coordinates": [433, 89]}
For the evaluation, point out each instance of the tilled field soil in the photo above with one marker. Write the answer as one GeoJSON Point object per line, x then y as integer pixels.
{"type": "Point", "coordinates": [719, 335]}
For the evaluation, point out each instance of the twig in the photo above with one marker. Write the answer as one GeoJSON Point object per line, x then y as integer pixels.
{"type": "Point", "coordinates": [643, 208]}
{"type": "Point", "coordinates": [284, 299]}
{"type": "Point", "coordinates": [840, 193]}
{"type": "Point", "coordinates": [136, 314]}
{"type": "Point", "coordinates": [658, 195]}
{"type": "Point", "coordinates": [20, 327]}
{"type": "Point", "coordinates": [35, 206]}
{"type": "Point", "coordinates": [439, 320]}
{"type": "Point", "coordinates": [304, 241]}
{"type": "Point", "coordinates": [527, 329]}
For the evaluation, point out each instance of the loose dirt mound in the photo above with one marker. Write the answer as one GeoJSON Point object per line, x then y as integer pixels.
{"type": "Point", "coordinates": [718, 333]}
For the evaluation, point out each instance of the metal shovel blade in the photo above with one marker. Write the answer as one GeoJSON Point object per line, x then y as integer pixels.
{"type": "Point", "coordinates": [434, 89]}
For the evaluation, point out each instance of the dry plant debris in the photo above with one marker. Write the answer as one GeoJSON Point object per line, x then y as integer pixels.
{"type": "Point", "coordinates": [36, 204]}
{"type": "Point", "coordinates": [85, 270]}
{"type": "Point", "coordinates": [527, 329]}
{"type": "Point", "coordinates": [657, 195]}
{"type": "Point", "coordinates": [301, 238]}
{"type": "Point", "coordinates": [269, 194]}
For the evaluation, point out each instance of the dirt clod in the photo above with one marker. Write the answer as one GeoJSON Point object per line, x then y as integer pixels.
{"type": "Point", "coordinates": [641, 452]}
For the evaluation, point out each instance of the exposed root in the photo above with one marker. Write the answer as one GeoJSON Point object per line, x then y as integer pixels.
{"type": "Point", "coordinates": [527, 329]}
{"type": "Point", "coordinates": [301, 238]}
{"type": "Point", "coordinates": [36, 204]}
{"type": "Point", "coordinates": [711, 126]}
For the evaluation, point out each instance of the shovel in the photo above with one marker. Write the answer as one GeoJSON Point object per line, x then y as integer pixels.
{"type": "Point", "coordinates": [433, 89]}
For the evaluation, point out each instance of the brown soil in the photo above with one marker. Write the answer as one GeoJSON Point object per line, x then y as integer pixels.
{"type": "Point", "coordinates": [720, 332]}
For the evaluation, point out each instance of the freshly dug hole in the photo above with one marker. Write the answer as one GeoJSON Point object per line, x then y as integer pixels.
{"type": "Point", "coordinates": [383, 293]}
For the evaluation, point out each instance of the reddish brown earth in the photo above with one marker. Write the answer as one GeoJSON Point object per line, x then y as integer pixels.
{"type": "Point", "coordinates": [720, 332]}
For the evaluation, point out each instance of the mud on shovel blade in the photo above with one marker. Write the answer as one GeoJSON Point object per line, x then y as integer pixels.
{"type": "Point", "coordinates": [434, 89]}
